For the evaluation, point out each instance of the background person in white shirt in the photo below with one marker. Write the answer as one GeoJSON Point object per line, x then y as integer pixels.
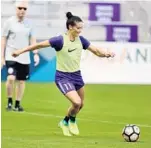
{"type": "Point", "coordinates": [17, 33]}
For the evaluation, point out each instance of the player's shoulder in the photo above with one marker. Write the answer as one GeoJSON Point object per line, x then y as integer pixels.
{"type": "Point", "coordinates": [82, 38]}
{"type": "Point", "coordinates": [59, 36]}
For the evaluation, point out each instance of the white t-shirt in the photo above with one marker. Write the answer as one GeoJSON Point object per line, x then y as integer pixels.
{"type": "Point", "coordinates": [18, 36]}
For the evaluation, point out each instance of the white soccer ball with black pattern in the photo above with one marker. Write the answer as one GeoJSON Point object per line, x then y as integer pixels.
{"type": "Point", "coordinates": [131, 133]}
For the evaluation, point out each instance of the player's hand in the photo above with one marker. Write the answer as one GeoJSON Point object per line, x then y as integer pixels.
{"type": "Point", "coordinates": [110, 54]}
{"type": "Point", "coordinates": [2, 62]}
{"type": "Point", "coordinates": [36, 59]}
{"type": "Point", "coordinates": [16, 53]}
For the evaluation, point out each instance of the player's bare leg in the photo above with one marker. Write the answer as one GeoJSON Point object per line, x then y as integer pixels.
{"type": "Point", "coordinates": [73, 110]}
{"type": "Point", "coordinates": [20, 87]}
{"type": "Point", "coordinates": [9, 90]}
{"type": "Point", "coordinates": [81, 94]}
{"type": "Point", "coordinates": [69, 123]}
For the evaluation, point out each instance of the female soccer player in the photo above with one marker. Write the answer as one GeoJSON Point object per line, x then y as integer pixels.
{"type": "Point", "coordinates": [68, 75]}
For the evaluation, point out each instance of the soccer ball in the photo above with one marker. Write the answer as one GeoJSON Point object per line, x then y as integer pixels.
{"type": "Point", "coordinates": [131, 133]}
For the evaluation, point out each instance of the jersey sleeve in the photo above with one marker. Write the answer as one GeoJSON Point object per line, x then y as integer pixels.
{"type": "Point", "coordinates": [56, 42]}
{"type": "Point", "coordinates": [5, 30]}
{"type": "Point", "coordinates": [85, 42]}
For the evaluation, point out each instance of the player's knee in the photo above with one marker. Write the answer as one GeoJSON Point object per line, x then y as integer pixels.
{"type": "Point", "coordinates": [10, 79]}
{"type": "Point", "coordinates": [21, 82]}
{"type": "Point", "coordinates": [77, 103]}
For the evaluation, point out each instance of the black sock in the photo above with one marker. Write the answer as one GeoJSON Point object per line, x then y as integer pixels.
{"type": "Point", "coordinates": [17, 103]}
{"type": "Point", "coordinates": [72, 118]}
{"type": "Point", "coordinates": [10, 101]}
{"type": "Point", "coordinates": [66, 119]}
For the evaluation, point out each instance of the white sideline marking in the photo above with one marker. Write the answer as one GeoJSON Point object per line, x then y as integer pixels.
{"type": "Point", "coordinates": [88, 119]}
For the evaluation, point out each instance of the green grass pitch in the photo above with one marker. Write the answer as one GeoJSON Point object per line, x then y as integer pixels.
{"type": "Point", "coordinates": [108, 108]}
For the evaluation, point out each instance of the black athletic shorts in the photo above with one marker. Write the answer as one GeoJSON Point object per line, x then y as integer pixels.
{"type": "Point", "coordinates": [21, 71]}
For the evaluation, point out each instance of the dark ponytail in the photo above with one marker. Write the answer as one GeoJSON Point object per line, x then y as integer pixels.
{"type": "Point", "coordinates": [71, 19]}
{"type": "Point", "coordinates": [69, 15]}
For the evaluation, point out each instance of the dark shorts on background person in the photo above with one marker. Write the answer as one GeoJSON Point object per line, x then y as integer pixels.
{"type": "Point", "coordinates": [67, 82]}
{"type": "Point", "coordinates": [21, 71]}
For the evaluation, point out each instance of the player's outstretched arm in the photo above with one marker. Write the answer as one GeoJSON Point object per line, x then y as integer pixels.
{"type": "Point", "coordinates": [31, 48]}
{"type": "Point", "coordinates": [99, 52]}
